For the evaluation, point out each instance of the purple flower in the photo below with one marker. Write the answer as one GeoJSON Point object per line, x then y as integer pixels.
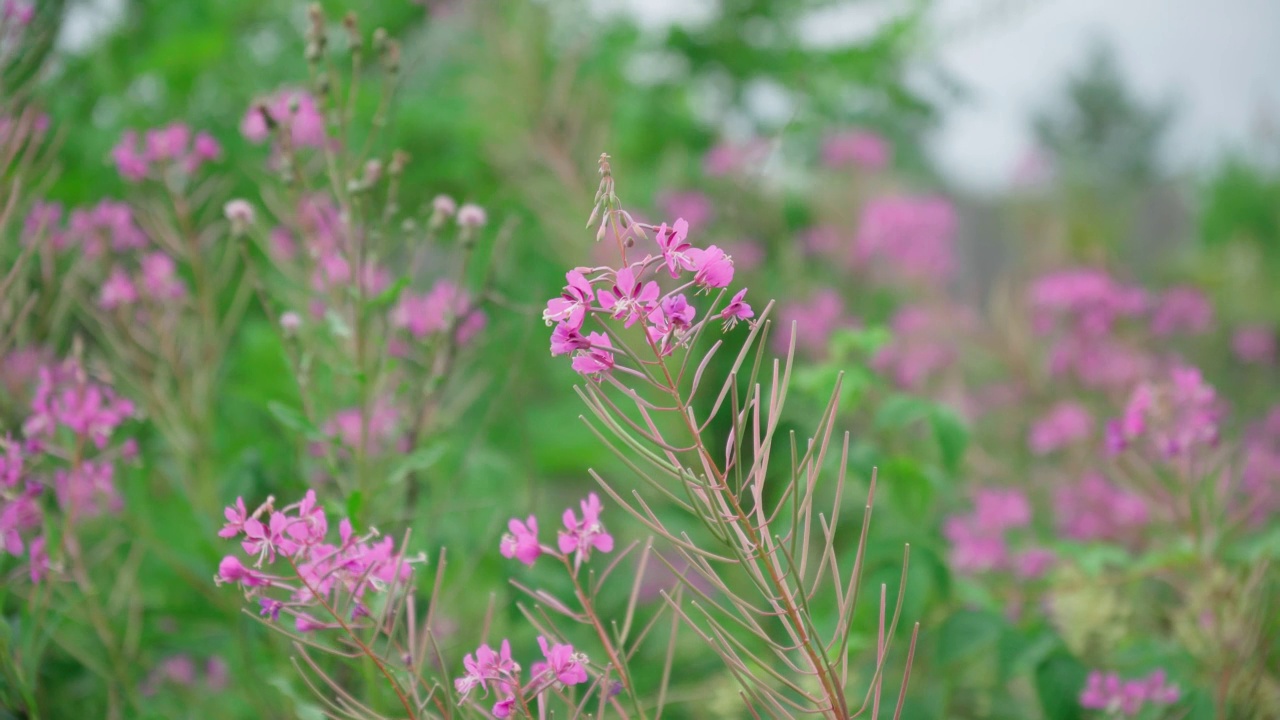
{"type": "Point", "coordinates": [675, 248]}
{"type": "Point", "coordinates": [1182, 309]}
{"type": "Point", "coordinates": [911, 237]}
{"type": "Point", "coordinates": [711, 267]}
{"type": "Point", "coordinates": [117, 290]}
{"type": "Point", "coordinates": [562, 663]}
{"type": "Point", "coordinates": [580, 537]}
{"type": "Point", "coordinates": [629, 298]}
{"type": "Point", "coordinates": [270, 608]}
{"type": "Point", "coordinates": [131, 164]}
{"type": "Point", "coordinates": [521, 542]}
{"type": "Point", "coordinates": [596, 359]}
{"type": "Point", "coordinates": [231, 570]}
{"type": "Point", "coordinates": [736, 310]}
{"type": "Point", "coordinates": [572, 305]}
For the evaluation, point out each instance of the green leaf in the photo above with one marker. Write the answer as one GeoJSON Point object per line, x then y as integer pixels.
{"type": "Point", "coordinates": [968, 633]}
{"type": "Point", "coordinates": [294, 420]}
{"type": "Point", "coordinates": [388, 297]}
{"type": "Point", "coordinates": [416, 461]}
{"type": "Point", "coordinates": [1059, 680]}
{"type": "Point", "coordinates": [355, 502]}
{"type": "Point", "coordinates": [899, 411]}
{"type": "Point", "coordinates": [952, 436]}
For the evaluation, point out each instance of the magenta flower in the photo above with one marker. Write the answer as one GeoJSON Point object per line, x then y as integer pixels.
{"type": "Point", "coordinates": [1065, 423]}
{"type": "Point", "coordinates": [562, 663]}
{"type": "Point", "coordinates": [1107, 692]}
{"type": "Point", "coordinates": [690, 205]}
{"type": "Point", "coordinates": [910, 236]}
{"type": "Point", "coordinates": [521, 542]}
{"type": "Point", "coordinates": [485, 666]}
{"type": "Point", "coordinates": [295, 111]}
{"type": "Point", "coordinates": [117, 290]}
{"type": "Point", "coordinates": [675, 248]}
{"type": "Point", "coordinates": [231, 570]}
{"type": "Point", "coordinates": [167, 143]}
{"type": "Point", "coordinates": [264, 540]}
{"type": "Point", "coordinates": [131, 164]}
{"type": "Point", "coordinates": [736, 310]}
{"type": "Point", "coordinates": [581, 537]}
{"type": "Point", "coordinates": [236, 516]}
{"type": "Point", "coordinates": [1033, 563]}
{"type": "Point", "coordinates": [572, 305]}
{"type": "Point", "coordinates": [597, 359]}
{"type": "Point", "coordinates": [38, 560]}
{"type": "Point", "coordinates": [159, 279]}
{"type": "Point", "coordinates": [1255, 344]}
{"type": "Point", "coordinates": [711, 267]}
{"type": "Point", "coordinates": [629, 298]}
{"type": "Point", "coordinates": [565, 339]}
{"type": "Point", "coordinates": [1182, 310]}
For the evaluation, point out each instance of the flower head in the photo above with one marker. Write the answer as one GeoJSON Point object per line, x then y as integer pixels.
{"type": "Point", "coordinates": [521, 542]}
{"type": "Point", "coordinates": [582, 536]}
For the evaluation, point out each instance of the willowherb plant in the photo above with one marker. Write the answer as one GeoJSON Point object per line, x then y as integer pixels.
{"type": "Point", "coordinates": [371, 298]}
{"type": "Point", "coordinates": [765, 557]}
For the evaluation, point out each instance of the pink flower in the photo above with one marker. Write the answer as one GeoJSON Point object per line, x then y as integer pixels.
{"type": "Point", "coordinates": [295, 111]}
{"type": "Point", "coordinates": [231, 570]}
{"type": "Point", "coordinates": [562, 663]}
{"type": "Point", "coordinates": [814, 322]}
{"type": "Point", "coordinates": [1254, 344]}
{"type": "Point", "coordinates": [1095, 509]}
{"type": "Point", "coordinates": [910, 236]}
{"type": "Point", "coordinates": [472, 216]}
{"type": "Point", "coordinates": [565, 339]}
{"type": "Point", "coordinates": [131, 164]}
{"type": "Point", "coordinates": [38, 560]}
{"type": "Point", "coordinates": [159, 279]}
{"type": "Point", "coordinates": [1182, 309]}
{"type": "Point", "coordinates": [736, 310]}
{"type": "Point", "coordinates": [1065, 423]}
{"type": "Point", "coordinates": [1033, 563]}
{"type": "Point", "coordinates": [264, 540]}
{"type": "Point", "coordinates": [236, 515]}
{"type": "Point", "coordinates": [117, 290]}
{"type": "Point", "coordinates": [1000, 509]}
{"type": "Point", "coordinates": [167, 143]}
{"type": "Point", "coordinates": [711, 267]}
{"type": "Point", "coordinates": [628, 298]}
{"type": "Point", "coordinates": [521, 542]}
{"type": "Point", "coordinates": [445, 306]}
{"type": "Point", "coordinates": [974, 549]}
{"type": "Point", "coordinates": [596, 359]}
{"type": "Point", "coordinates": [675, 248]}
{"type": "Point", "coordinates": [486, 666]}
{"type": "Point", "coordinates": [857, 148]}
{"type": "Point", "coordinates": [572, 305]}
{"type": "Point", "coordinates": [580, 537]}
{"type": "Point", "coordinates": [88, 490]}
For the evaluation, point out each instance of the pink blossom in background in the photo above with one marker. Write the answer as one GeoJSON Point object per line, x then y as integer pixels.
{"type": "Point", "coordinates": [921, 346]}
{"type": "Point", "coordinates": [159, 278]}
{"type": "Point", "coordinates": [347, 427]}
{"type": "Point", "coordinates": [1066, 423]}
{"type": "Point", "coordinates": [17, 516]}
{"type": "Point", "coordinates": [1175, 416]}
{"type": "Point", "coordinates": [1108, 692]}
{"type": "Point", "coordinates": [294, 111]}
{"type": "Point", "coordinates": [17, 12]}
{"type": "Point", "coordinates": [64, 397]}
{"type": "Point", "coordinates": [909, 236]}
{"type": "Point", "coordinates": [729, 158]}
{"type": "Point", "coordinates": [974, 549]}
{"type": "Point", "coordinates": [1254, 344]}
{"type": "Point", "coordinates": [1000, 509]}
{"type": "Point", "coordinates": [1095, 509]}
{"type": "Point", "coordinates": [1182, 310]}
{"type": "Point", "coordinates": [1033, 563]}
{"type": "Point", "coordinates": [815, 320]}
{"type": "Point", "coordinates": [747, 255]}
{"type": "Point", "coordinates": [44, 220]}
{"type": "Point", "coordinates": [1088, 300]}
{"type": "Point", "coordinates": [690, 205]}
{"type": "Point", "coordinates": [117, 290]}
{"type": "Point", "coordinates": [828, 241]}
{"type": "Point", "coordinates": [856, 148]}
{"type": "Point", "coordinates": [130, 162]}
{"type": "Point", "coordinates": [88, 490]}
{"type": "Point", "coordinates": [1035, 169]}
{"type": "Point", "coordinates": [1258, 495]}
{"type": "Point", "coordinates": [438, 310]}
{"type": "Point", "coordinates": [1099, 362]}
{"type": "Point", "coordinates": [107, 225]}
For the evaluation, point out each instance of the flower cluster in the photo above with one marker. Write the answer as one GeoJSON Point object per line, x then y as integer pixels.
{"type": "Point", "coordinates": [908, 237]}
{"type": "Point", "coordinates": [495, 672]}
{"type": "Point", "coordinates": [577, 539]}
{"type": "Point", "coordinates": [445, 306]}
{"type": "Point", "coordinates": [93, 231]}
{"type": "Point", "coordinates": [67, 445]}
{"type": "Point", "coordinates": [1066, 423]}
{"type": "Point", "coordinates": [322, 576]}
{"type": "Point", "coordinates": [924, 343]}
{"type": "Point", "coordinates": [979, 540]}
{"type": "Point", "coordinates": [625, 294]}
{"type": "Point", "coordinates": [814, 320]}
{"type": "Point", "coordinates": [1109, 693]}
{"type": "Point", "coordinates": [159, 149]}
{"type": "Point", "coordinates": [294, 111]}
{"type": "Point", "coordinates": [1094, 508]}
{"type": "Point", "coordinates": [1175, 416]}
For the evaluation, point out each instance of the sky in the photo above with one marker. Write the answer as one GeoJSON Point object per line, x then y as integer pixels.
{"type": "Point", "coordinates": [1219, 60]}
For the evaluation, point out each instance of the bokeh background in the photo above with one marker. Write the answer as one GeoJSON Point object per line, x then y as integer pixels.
{"type": "Point", "coordinates": [1135, 137]}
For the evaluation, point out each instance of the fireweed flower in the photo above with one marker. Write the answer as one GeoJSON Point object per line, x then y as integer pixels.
{"type": "Point", "coordinates": [629, 299]}
{"type": "Point", "coordinates": [1181, 310]}
{"type": "Point", "coordinates": [571, 307]}
{"type": "Point", "coordinates": [1177, 416]}
{"type": "Point", "coordinates": [561, 663]}
{"type": "Point", "coordinates": [294, 110]}
{"type": "Point", "coordinates": [472, 216]}
{"type": "Point", "coordinates": [117, 290]}
{"type": "Point", "coordinates": [566, 339]}
{"type": "Point", "coordinates": [736, 310]}
{"type": "Point", "coordinates": [581, 537]}
{"type": "Point", "coordinates": [670, 322]}
{"type": "Point", "coordinates": [814, 321]}
{"type": "Point", "coordinates": [1254, 345]}
{"type": "Point", "coordinates": [675, 247]}
{"type": "Point", "coordinates": [712, 267]}
{"type": "Point", "coordinates": [1107, 692]}
{"type": "Point", "coordinates": [910, 236]}
{"type": "Point", "coordinates": [1066, 423]}
{"type": "Point", "coordinates": [597, 359]}
{"type": "Point", "coordinates": [444, 306]}
{"type": "Point", "coordinates": [1095, 509]}
{"type": "Point", "coordinates": [521, 542]}
{"type": "Point", "coordinates": [978, 539]}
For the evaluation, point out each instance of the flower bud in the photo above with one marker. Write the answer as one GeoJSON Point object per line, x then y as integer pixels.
{"type": "Point", "coordinates": [241, 215]}
{"type": "Point", "coordinates": [471, 216]}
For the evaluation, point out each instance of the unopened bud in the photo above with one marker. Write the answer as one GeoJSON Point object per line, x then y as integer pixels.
{"type": "Point", "coordinates": [399, 159]}
{"type": "Point", "coordinates": [241, 215]}
{"type": "Point", "coordinates": [442, 208]}
{"type": "Point", "coordinates": [290, 322]}
{"type": "Point", "coordinates": [471, 216]}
